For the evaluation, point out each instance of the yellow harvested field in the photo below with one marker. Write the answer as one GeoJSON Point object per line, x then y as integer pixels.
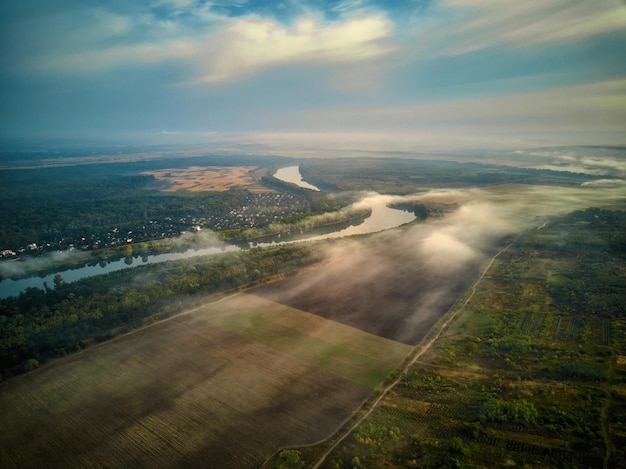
{"type": "Point", "coordinates": [207, 179]}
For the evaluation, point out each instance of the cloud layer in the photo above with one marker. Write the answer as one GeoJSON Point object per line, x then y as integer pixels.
{"type": "Point", "coordinates": [549, 70]}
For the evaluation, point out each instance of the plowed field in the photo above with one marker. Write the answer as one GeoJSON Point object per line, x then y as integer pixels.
{"type": "Point", "coordinates": [223, 386]}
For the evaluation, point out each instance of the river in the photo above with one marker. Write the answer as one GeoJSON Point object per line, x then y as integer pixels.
{"type": "Point", "coordinates": [292, 174]}
{"type": "Point", "coordinates": [381, 218]}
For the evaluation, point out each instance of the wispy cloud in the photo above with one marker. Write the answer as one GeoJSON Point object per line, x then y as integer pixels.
{"type": "Point", "coordinates": [584, 108]}
{"type": "Point", "coordinates": [252, 42]}
{"type": "Point", "coordinates": [231, 47]}
{"type": "Point", "coordinates": [461, 26]}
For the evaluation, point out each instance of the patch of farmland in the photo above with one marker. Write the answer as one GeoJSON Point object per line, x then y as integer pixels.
{"type": "Point", "coordinates": [600, 330]}
{"type": "Point", "coordinates": [219, 387]}
{"type": "Point", "coordinates": [564, 328]}
{"type": "Point", "coordinates": [206, 178]}
{"type": "Point", "coordinates": [533, 324]}
{"type": "Point", "coordinates": [338, 348]}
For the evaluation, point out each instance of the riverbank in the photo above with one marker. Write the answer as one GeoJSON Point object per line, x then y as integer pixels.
{"type": "Point", "coordinates": [37, 272]}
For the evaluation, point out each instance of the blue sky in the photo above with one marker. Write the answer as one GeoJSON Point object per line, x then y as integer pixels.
{"type": "Point", "coordinates": [419, 74]}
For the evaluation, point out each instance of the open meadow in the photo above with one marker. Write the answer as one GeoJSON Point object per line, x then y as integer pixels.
{"type": "Point", "coordinates": [221, 386]}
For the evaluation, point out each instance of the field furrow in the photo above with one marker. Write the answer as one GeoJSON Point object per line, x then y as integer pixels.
{"type": "Point", "coordinates": [223, 386]}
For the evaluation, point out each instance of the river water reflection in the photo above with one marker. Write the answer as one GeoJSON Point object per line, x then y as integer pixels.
{"type": "Point", "coordinates": [292, 174]}
{"type": "Point", "coordinates": [10, 287]}
{"type": "Point", "coordinates": [382, 218]}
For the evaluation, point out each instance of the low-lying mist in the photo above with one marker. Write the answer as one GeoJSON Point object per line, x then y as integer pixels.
{"type": "Point", "coordinates": [179, 247]}
{"type": "Point", "coordinates": [395, 285]}
{"type": "Point", "coordinates": [398, 283]}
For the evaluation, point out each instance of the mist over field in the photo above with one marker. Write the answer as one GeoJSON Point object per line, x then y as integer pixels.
{"type": "Point", "coordinates": [398, 283]}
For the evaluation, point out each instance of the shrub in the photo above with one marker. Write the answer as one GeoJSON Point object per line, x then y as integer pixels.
{"type": "Point", "coordinates": [587, 371]}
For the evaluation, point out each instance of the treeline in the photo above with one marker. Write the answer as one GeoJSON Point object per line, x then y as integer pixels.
{"type": "Point", "coordinates": [403, 176]}
{"type": "Point", "coordinates": [299, 227]}
{"type": "Point", "coordinates": [39, 325]}
{"type": "Point", "coordinates": [421, 211]}
{"type": "Point", "coordinates": [321, 202]}
{"type": "Point", "coordinates": [96, 205]}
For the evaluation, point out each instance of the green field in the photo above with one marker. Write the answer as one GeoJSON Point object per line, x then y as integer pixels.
{"type": "Point", "coordinates": [222, 386]}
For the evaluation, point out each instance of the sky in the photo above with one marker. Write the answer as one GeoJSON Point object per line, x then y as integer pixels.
{"type": "Point", "coordinates": [402, 75]}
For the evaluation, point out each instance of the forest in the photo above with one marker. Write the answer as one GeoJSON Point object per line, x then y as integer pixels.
{"type": "Point", "coordinates": [405, 176]}
{"type": "Point", "coordinates": [104, 205]}
{"type": "Point", "coordinates": [63, 205]}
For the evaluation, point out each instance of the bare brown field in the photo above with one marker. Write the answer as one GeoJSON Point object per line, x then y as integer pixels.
{"type": "Point", "coordinates": [223, 386]}
{"type": "Point", "coordinates": [207, 178]}
{"type": "Point", "coordinates": [370, 289]}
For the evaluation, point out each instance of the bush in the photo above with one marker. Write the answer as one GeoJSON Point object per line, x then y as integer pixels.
{"type": "Point", "coordinates": [587, 371]}
{"type": "Point", "coordinates": [520, 411]}
{"type": "Point", "coordinates": [513, 345]}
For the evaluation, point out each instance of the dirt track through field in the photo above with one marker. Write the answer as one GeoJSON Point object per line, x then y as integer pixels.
{"type": "Point", "coordinates": [421, 350]}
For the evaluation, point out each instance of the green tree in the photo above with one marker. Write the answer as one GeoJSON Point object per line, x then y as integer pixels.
{"type": "Point", "coordinates": [449, 453]}
{"type": "Point", "coordinates": [520, 411]}
{"type": "Point", "coordinates": [290, 459]}
{"type": "Point", "coordinates": [58, 281]}
{"type": "Point", "coordinates": [31, 364]}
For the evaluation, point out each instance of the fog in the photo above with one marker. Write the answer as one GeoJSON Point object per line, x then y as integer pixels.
{"type": "Point", "coordinates": [181, 247]}
{"type": "Point", "coordinates": [32, 265]}
{"type": "Point", "coordinates": [399, 282]}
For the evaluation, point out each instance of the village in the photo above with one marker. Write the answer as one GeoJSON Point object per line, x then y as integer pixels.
{"type": "Point", "coordinates": [256, 210]}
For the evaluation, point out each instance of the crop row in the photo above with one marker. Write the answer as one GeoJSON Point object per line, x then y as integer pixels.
{"type": "Point", "coordinates": [538, 430]}
{"type": "Point", "coordinates": [407, 421]}
{"type": "Point", "coordinates": [601, 330]}
{"type": "Point", "coordinates": [533, 324]}
{"type": "Point", "coordinates": [566, 328]}
{"type": "Point", "coordinates": [569, 328]}
{"type": "Point", "coordinates": [512, 445]}
{"type": "Point", "coordinates": [437, 422]}
{"type": "Point", "coordinates": [449, 392]}
{"type": "Point", "coordinates": [458, 412]}
{"type": "Point", "coordinates": [564, 457]}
